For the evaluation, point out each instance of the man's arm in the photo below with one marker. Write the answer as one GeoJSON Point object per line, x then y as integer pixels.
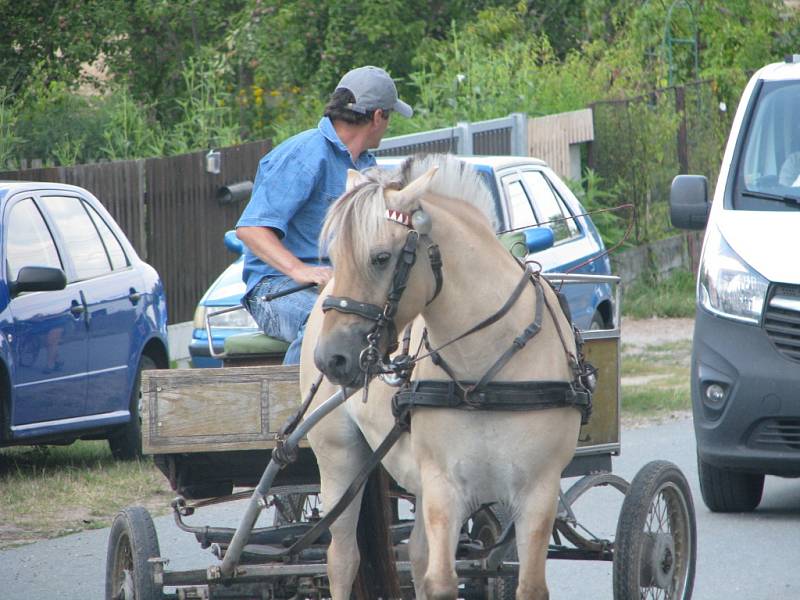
{"type": "Point", "coordinates": [265, 244]}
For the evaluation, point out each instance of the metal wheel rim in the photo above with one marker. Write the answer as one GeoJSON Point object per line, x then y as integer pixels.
{"type": "Point", "coordinates": [668, 514]}
{"type": "Point", "coordinates": [123, 567]}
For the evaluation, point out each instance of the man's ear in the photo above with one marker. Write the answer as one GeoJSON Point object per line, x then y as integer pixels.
{"type": "Point", "coordinates": [354, 178]}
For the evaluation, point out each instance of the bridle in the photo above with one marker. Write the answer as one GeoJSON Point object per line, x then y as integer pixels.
{"type": "Point", "coordinates": [419, 225]}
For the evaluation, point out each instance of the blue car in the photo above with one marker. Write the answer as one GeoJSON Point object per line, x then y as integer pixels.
{"type": "Point", "coordinates": [81, 315]}
{"type": "Point", "coordinates": [528, 195]}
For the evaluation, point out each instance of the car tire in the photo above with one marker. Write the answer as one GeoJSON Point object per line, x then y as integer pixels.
{"type": "Point", "coordinates": [126, 442]}
{"type": "Point", "coordinates": [728, 491]}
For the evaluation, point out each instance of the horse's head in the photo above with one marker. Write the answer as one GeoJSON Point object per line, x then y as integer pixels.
{"type": "Point", "coordinates": [376, 232]}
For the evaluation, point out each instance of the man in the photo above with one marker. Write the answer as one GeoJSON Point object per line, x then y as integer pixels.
{"type": "Point", "coordinates": [295, 184]}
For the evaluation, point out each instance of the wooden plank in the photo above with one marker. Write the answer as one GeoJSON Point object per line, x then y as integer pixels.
{"type": "Point", "coordinates": [210, 410]}
{"type": "Point", "coordinates": [241, 408]}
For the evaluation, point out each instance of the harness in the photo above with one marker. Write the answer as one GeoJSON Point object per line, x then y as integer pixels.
{"type": "Point", "coordinates": [485, 393]}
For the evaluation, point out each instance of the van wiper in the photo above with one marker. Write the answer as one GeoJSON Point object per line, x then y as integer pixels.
{"type": "Point", "coordinates": [786, 198]}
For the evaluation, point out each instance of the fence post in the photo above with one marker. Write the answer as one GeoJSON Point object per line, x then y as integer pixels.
{"type": "Point", "coordinates": [519, 134]}
{"type": "Point", "coordinates": [464, 135]}
{"type": "Point", "coordinates": [591, 159]}
{"type": "Point", "coordinates": [683, 143]}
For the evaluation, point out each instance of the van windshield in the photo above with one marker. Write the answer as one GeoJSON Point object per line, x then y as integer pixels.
{"type": "Point", "coordinates": [768, 173]}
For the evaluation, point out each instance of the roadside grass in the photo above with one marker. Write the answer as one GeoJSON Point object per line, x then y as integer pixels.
{"type": "Point", "coordinates": [49, 491]}
{"type": "Point", "coordinates": [673, 296]}
{"type": "Point", "coordinates": [655, 380]}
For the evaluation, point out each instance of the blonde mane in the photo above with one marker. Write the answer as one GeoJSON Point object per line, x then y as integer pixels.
{"type": "Point", "coordinates": [357, 219]}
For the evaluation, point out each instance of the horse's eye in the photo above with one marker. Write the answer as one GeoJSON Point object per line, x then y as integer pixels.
{"type": "Point", "coordinates": [381, 259]}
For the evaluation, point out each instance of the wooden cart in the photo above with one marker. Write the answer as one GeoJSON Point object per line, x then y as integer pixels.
{"type": "Point", "coordinates": [213, 430]}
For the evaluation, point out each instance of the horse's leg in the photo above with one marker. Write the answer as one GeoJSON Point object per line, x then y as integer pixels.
{"type": "Point", "coordinates": [534, 524]}
{"type": "Point", "coordinates": [341, 452]}
{"type": "Point", "coordinates": [442, 516]}
{"type": "Point", "coordinates": [418, 551]}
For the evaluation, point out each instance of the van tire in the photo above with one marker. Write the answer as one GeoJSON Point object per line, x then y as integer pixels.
{"type": "Point", "coordinates": [126, 442]}
{"type": "Point", "coordinates": [729, 491]}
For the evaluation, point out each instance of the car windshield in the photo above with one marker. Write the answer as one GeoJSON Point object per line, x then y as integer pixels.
{"type": "Point", "coordinates": [768, 173]}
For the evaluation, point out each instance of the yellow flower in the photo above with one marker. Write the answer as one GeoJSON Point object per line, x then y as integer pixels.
{"type": "Point", "coordinates": [275, 93]}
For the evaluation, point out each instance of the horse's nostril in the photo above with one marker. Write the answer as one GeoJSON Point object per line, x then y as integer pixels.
{"type": "Point", "coordinates": [337, 362]}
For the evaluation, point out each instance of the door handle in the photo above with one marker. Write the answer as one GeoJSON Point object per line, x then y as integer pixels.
{"type": "Point", "coordinates": [77, 309]}
{"type": "Point", "coordinates": [134, 296]}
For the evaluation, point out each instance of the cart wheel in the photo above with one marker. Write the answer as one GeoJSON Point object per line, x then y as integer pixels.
{"type": "Point", "coordinates": [654, 554]}
{"type": "Point", "coordinates": [571, 530]}
{"type": "Point", "coordinates": [129, 575]}
{"type": "Point", "coordinates": [487, 525]}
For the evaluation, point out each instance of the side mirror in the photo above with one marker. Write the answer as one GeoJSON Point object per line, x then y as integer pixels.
{"type": "Point", "coordinates": [38, 279]}
{"type": "Point", "coordinates": [688, 202]}
{"type": "Point", "coordinates": [233, 243]}
{"type": "Point", "coordinates": [539, 238]}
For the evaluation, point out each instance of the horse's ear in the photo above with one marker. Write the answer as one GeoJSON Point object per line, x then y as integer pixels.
{"type": "Point", "coordinates": [354, 178]}
{"type": "Point", "coordinates": [405, 197]}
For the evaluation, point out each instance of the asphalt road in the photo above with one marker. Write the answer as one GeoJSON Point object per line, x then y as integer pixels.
{"type": "Point", "coordinates": [754, 556]}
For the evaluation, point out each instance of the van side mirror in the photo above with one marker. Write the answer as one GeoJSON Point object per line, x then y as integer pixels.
{"type": "Point", "coordinates": [233, 243]}
{"type": "Point", "coordinates": [38, 279]}
{"type": "Point", "coordinates": [688, 202]}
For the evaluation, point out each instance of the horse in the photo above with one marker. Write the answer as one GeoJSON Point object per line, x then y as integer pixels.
{"type": "Point", "coordinates": [453, 460]}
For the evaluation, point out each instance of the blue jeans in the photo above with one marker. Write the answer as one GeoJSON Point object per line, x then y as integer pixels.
{"type": "Point", "coordinates": [283, 318]}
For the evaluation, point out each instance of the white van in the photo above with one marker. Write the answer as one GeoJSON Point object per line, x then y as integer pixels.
{"type": "Point", "coordinates": [746, 349]}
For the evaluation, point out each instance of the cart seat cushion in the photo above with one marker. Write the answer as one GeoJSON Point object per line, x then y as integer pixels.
{"type": "Point", "coordinates": [515, 243]}
{"type": "Point", "coordinates": [254, 343]}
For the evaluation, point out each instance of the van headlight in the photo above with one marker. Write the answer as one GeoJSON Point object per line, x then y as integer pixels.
{"type": "Point", "coordinates": [727, 286]}
{"type": "Point", "coordinates": [236, 319]}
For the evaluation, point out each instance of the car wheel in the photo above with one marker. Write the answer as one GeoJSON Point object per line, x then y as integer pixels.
{"type": "Point", "coordinates": [729, 491]}
{"type": "Point", "coordinates": [598, 322]}
{"type": "Point", "coordinates": [126, 442]}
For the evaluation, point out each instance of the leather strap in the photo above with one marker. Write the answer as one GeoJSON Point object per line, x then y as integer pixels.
{"type": "Point", "coordinates": [502, 395]}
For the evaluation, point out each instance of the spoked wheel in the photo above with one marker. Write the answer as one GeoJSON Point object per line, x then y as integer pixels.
{"type": "Point", "coordinates": [486, 526]}
{"type": "Point", "coordinates": [132, 542]}
{"type": "Point", "coordinates": [654, 555]}
{"type": "Point", "coordinates": [296, 504]}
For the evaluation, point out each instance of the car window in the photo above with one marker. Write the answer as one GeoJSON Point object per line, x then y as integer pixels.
{"type": "Point", "coordinates": [82, 242]}
{"type": "Point", "coordinates": [115, 252]}
{"type": "Point", "coordinates": [550, 208]}
{"type": "Point", "coordinates": [28, 240]}
{"type": "Point", "coordinates": [520, 213]}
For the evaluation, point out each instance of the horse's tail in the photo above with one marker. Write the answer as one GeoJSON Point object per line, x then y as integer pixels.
{"type": "Point", "coordinates": [377, 574]}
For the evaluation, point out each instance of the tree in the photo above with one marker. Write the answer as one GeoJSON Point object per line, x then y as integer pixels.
{"type": "Point", "coordinates": [53, 38]}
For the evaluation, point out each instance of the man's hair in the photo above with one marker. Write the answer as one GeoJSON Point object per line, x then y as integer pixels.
{"type": "Point", "coordinates": [337, 110]}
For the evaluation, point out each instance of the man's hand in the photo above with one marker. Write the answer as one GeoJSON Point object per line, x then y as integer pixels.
{"type": "Point", "coordinates": [264, 242]}
{"type": "Point", "coordinates": [311, 274]}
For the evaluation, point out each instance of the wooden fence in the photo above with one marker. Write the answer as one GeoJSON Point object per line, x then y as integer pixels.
{"type": "Point", "coordinates": [169, 210]}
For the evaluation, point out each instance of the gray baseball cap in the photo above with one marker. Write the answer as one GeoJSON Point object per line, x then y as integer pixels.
{"type": "Point", "coordinates": [373, 88]}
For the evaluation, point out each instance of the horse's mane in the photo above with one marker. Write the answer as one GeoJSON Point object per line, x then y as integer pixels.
{"type": "Point", "coordinates": [357, 218]}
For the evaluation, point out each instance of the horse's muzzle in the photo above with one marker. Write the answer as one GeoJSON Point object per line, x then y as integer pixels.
{"type": "Point", "coordinates": [337, 357]}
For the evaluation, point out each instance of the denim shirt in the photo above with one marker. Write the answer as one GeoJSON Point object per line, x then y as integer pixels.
{"type": "Point", "coordinates": [295, 184]}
